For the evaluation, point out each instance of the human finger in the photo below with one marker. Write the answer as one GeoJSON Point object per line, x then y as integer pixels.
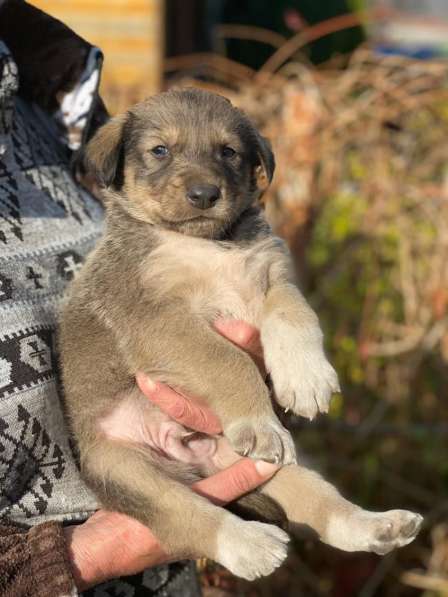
{"type": "Point", "coordinates": [240, 478]}
{"type": "Point", "coordinates": [188, 411]}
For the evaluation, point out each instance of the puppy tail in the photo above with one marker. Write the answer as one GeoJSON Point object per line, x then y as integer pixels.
{"type": "Point", "coordinates": [259, 507]}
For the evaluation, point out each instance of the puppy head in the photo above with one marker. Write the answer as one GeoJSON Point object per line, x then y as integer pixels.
{"type": "Point", "coordinates": [186, 160]}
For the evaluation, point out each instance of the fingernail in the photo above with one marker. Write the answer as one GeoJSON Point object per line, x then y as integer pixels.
{"type": "Point", "coordinates": [265, 468]}
{"type": "Point", "coordinates": [238, 331]}
{"type": "Point", "coordinates": [150, 385]}
{"type": "Point", "coordinates": [243, 336]}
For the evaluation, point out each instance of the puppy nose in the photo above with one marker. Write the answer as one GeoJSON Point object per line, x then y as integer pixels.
{"type": "Point", "coordinates": [203, 196]}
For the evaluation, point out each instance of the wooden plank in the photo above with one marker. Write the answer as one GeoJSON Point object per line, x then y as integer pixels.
{"type": "Point", "coordinates": [131, 35]}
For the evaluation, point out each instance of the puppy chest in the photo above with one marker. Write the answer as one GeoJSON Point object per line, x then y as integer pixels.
{"type": "Point", "coordinates": [212, 281]}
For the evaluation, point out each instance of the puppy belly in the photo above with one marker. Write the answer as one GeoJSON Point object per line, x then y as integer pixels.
{"type": "Point", "coordinates": [135, 419]}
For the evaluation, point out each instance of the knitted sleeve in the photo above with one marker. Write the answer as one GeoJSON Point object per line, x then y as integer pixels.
{"type": "Point", "coordinates": [34, 562]}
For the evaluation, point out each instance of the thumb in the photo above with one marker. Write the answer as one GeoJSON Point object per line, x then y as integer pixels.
{"type": "Point", "coordinates": [231, 483]}
{"type": "Point", "coordinates": [191, 412]}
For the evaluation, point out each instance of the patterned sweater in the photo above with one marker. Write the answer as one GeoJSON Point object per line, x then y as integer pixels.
{"type": "Point", "coordinates": [48, 224]}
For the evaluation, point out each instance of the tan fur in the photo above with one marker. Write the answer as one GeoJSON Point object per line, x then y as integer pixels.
{"type": "Point", "coordinates": [145, 301]}
{"type": "Point", "coordinates": [213, 279]}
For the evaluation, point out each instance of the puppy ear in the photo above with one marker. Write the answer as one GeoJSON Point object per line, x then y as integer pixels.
{"type": "Point", "coordinates": [104, 151]}
{"type": "Point", "coordinates": [264, 171]}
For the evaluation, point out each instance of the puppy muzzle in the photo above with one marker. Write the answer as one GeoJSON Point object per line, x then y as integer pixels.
{"type": "Point", "coordinates": [203, 196]}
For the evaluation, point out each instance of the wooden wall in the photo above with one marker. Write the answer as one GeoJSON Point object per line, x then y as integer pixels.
{"type": "Point", "coordinates": [130, 34]}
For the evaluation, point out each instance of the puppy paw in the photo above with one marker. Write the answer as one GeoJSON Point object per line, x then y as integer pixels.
{"type": "Point", "coordinates": [251, 549]}
{"type": "Point", "coordinates": [262, 438]}
{"type": "Point", "coordinates": [381, 532]}
{"type": "Point", "coordinates": [303, 379]}
{"type": "Point", "coordinates": [393, 529]}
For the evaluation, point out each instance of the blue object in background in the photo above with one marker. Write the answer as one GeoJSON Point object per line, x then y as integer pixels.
{"type": "Point", "coordinates": [420, 53]}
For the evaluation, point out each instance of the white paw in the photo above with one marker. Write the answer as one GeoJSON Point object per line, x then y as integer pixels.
{"type": "Point", "coordinates": [381, 532]}
{"type": "Point", "coordinates": [303, 379]}
{"type": "Point", "coordinates": [251, 549]}
{"type": "Point", "coordinates": [393, 529]}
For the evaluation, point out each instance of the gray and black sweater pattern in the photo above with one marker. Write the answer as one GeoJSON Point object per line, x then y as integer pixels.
{"type": "Point", "coordinates": [48, 224]}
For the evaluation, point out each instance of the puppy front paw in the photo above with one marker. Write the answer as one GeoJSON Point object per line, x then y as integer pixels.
{"type": "Point", "coordinates": [262, 438]}
{"type": "Point", "coordinates": [303, 379]}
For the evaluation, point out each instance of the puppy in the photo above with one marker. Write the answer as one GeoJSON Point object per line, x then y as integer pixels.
{"type": "Point", "coordinates": [185, 243]}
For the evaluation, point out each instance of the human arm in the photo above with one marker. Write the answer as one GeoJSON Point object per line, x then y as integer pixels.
{"type": "Point", "coordinates": [34, 562]}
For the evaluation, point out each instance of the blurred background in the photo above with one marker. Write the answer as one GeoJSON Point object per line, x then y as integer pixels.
{"type": "Point", "coordinates": [353, 95]}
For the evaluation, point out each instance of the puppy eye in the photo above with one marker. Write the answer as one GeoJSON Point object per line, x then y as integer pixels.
{"type": "Point", "coordinates": [160, 151]}
{"type": "Point", "coordinates": [228, 152]}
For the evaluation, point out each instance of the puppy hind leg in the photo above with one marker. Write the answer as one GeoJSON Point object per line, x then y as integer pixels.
{"type": "Point", "coordinates": [186, 524]}
{"type": "Point", "coordinates": [313, 504]}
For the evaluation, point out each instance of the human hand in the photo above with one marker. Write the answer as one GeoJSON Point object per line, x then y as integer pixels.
{"type": "Point", "coordinates": [110, 544]}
